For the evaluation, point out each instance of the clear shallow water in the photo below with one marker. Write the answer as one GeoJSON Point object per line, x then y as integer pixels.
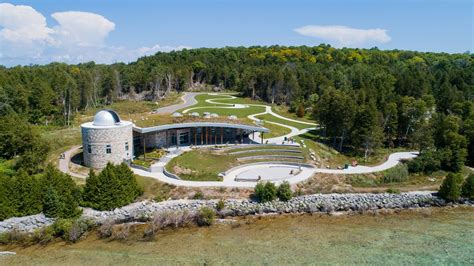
{"type": "Point", "coordinates": [433, 236]}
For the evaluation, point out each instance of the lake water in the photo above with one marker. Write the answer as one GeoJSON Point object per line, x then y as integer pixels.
{"type": "Point", "coordinates": [429, 236]}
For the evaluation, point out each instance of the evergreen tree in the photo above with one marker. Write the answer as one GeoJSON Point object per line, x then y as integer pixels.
{"type": "Point", "coordinates": [61, 195]}
{"type": "Point", "coordinates": [468, 187]}
{"type": "Point", "coordinates": [114, 187]}
{"type": "Point", "coordinates": [451, 187]}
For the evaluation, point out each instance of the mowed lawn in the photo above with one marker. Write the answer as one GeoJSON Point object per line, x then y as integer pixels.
{"type": "Point", "coordinates": [205, 164]}
{"type": "Point", "coordinates": [269, 117]}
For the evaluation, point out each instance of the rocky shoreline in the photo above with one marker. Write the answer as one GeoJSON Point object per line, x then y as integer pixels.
{"type": "Point", "coordinates": [316, 203]}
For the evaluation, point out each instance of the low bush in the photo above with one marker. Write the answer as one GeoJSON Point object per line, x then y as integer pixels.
{"type": "Point", "coordinates": [265, 191]}
{"type": "Point", "coordinates": [43, 235]}
{"type": "Point", "coordinates": [284, 192]}
{"type": "Point", "coordinates": [205, 216]}
{"type": "Point", "coordinates": [105, 230]}
{"type": "Point", "coordinates": [71, 230]}
{"type": "Point", "coordinates": [220, 205]}
{"type": "Point", "coordinates": [173, 219]}
{"type": "Point", "coordinates": [428, 162]}
{"type": "Point", "coordinates": [396, 174]}
{"type": "Point", "coordinates": [451, 187]}
{"type": "Point", "coordinates": [14, 236]}
{"type": "Point", "coordinates": [121, 231]}
{"type": "Point", "coordinates": [61, 227]}
{"type": "Point", "coordinates": [198, 195]}
{"type": "Point", "coordinates": [393, 191]}
{"type": "Point", "coordinates": [468, 187]}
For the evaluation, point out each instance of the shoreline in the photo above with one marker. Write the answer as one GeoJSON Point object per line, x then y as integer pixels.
{"type": "Point", "coordinates": [316, 203]}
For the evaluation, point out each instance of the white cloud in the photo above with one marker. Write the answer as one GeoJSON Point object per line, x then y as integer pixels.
{"type": "Point", "coordinates": [25, 38]}
{"type": "Point", "coordinates": [82, 28]}
{"type": "Point", "coordinates": [345, 36]}
{"type": "Point", "coordinates": [22, 24]}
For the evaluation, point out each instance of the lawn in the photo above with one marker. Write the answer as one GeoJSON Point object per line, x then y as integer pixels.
{"type": "Point", "coordinates": [269, 117]}
{"type": "Point", "coordinates": [240, 112]}
{"type": "Point", "coordinates": [283, 111]}
{"type": "Point", "coordinates": [205, 164]}
{"type": "Point", "coordinates": [330, 156]}
{"type": "Point", "coordinates": [275, 130]}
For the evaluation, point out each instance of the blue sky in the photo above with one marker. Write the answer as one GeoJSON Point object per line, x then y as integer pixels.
{"type": "Point", "coordinates": [118, 30]}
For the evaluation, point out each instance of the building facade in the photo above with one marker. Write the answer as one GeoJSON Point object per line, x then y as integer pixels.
{"type": "Point", "coordinates": [109, 139]}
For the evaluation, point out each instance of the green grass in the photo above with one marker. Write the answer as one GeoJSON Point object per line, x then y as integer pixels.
{"type": "Point", "coordinates": [283, 111]}
{"type": "Point", "coordinates": [263, 147]}
{"type": "Point", "coordinates": [269, 117]}
{"type": "Point", "coordinates": [333, 158]}
{"type": "Point", "coordinates": [240, 113]}
{"type": "Point", "coordinates": [275, 130]}
{"type": "Point", "coordinates": [153, 189]}
{"type": "Point", "coordinates": [205, 164]}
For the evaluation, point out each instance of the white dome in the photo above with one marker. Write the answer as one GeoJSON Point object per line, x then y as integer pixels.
{"type": "Point", "coordinates": [106, 118]}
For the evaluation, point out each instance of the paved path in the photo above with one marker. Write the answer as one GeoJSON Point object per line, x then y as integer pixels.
{"type": "Point", "coordinates": [64, 162]}
{"type": "Point", "coordinates": [228, 180]}
{"type": "Point", "coordinates": [268, 110]}
{"type": "Point", "coordinates": [306, 173]}
{"type": "Point", "coordinates": [188, 100]}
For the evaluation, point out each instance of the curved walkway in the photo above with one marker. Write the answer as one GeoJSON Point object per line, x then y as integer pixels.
{"type": "Point", "coordinates": [229, 178]}
{"type": "Point", "coordinates": [306, 172]}
{"type": "Point", "coordinates": [268, 110]}
{"type": "Point", "coordinates": [189, 99]}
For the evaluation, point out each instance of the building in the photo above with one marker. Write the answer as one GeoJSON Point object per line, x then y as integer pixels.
{"type": "Point", "coordinates": [110, 139]}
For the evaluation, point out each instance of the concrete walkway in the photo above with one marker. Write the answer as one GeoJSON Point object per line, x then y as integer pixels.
{"type": "Point", "coordinates": [306, 173]}
{"type": "Point", "coordinates": [188, 100]}
{"type": "Point", "coordinates": [63, 164]}
{"type": "Point", "coordinates": [229, 178]}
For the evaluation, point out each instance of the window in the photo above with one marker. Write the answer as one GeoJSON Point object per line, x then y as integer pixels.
{"type": "Point", "coordinates": [126, 146]}
{"type": "Point", "coordinates": [108, 149]}
{"type": "Point", "coordinates": [89, 148]}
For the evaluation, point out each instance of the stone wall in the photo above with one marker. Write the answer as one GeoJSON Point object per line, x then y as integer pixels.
{"type": "Point", "coordinates": [100, 137]}
{"type": "Point", "coordinates": [316, 203]}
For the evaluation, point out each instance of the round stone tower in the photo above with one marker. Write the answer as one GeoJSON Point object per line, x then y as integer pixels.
{"type": "Point", "coordinates": [107, 139]}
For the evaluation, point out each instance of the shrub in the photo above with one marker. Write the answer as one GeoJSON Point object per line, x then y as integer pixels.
{"type": "Point", "coordinates": [451, 187]}
{"type": "Point", "coordinates": [396, 174]}
{"type": "Point", "coordinates": [220, 205]}
{"type": "Point", "coordinates": [428, 162]}
{"type": "Point", "coordinates": [14, 236]}
{"type": "Point", "coordinates": [284, 192]}
{"type": "Point", "coordinates": [266, 191]}
{"type": "Point", "coordinates": [120, 231]}
{"type": "Point", "coordinates": [198, 195]}
{"type": "Point", "coordinates": [468, 187]}
{"type": "Point", "coordinates": [43, 235]}
{"type": "Point", "coordinates": [78, 228]}
{"type": "Point", "coordinates": [205, 216]}
{"type": "Point", "coordinates": [300, 111]}
{"type": "Point", "coordinates": [166, 219]}
{"type": "Point", "coordinates": [393, 191]}
{"type": "Point", "coordinates": [105, 230]}
{"type": "Point", "coordinates": [61, 228]}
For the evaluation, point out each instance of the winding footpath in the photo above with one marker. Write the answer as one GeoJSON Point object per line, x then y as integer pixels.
{"type": "Point", "coordinates": [268, 110]}
{"type": "Point", "coordinates": [157, 169]}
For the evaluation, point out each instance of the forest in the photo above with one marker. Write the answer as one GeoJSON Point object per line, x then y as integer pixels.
{"type": "Point", "coordinates": [362, 98]}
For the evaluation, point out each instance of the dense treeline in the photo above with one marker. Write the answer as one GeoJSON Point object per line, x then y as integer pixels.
{"type": "Point", "coordinates": [363, 98]}
{"type": "Point", "coordinates": [53, 193]}
{"type": "Point", "coordinates": [57, 195]}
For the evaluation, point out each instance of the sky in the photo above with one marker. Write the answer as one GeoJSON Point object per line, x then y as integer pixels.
{"type": "Point", "coordinates": [108, 31]}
